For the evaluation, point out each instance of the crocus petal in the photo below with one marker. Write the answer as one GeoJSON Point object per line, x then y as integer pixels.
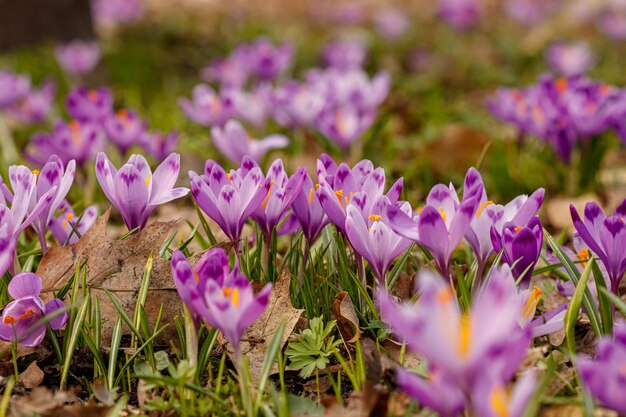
{"type": "Point", "coordinates": [401, 223]}
{"type": "Point", "coordinates": [132, 195]}
{"type": "Point", "coordinates": [164, 179]}
{"type": "Point", "coordinates": [25, 284]}
{"type": "Point", "coordinates": [59, 321]}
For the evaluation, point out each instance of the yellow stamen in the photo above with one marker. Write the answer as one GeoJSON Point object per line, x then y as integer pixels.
{"type": "Point", "coordinates": [36, 172]}
{"type": "Point", "coordinates": [317, 186]}
{"type": "Point", "coordinates": [196, 276]}
{"type": "Point", "coordinates": [229, 176]}
{"type": "Point", "coordinates": [499, 400]}
{"type": "Point", "coordinates": [339, 194]}
{"type": "Point", "coordinates": [269, 195]}
{"type": "Point", "coordinates": [464, 335]}
{"type": "Point", "coordinates": [419, 210]}
{"type": "Point", "coordinates": [561, 84]}
{"type": "Point", "coordinates": [531, 304]}
{"type": "Point", "coordinates": [76, 133]}
{"type": "Point", "coordinates": [443, 213]}
{"type": "Point", "coordinates": [27, 314]}
{"type": "Point", "coordinates": [147, 181]}
{"type": "Point", "coordinates": [374, 217]}
{"type": "Point", "coordinates": [583, 255]}
{"type": "Point", "coordinates": [445, 296]}
{"type": "Point", "coordinates": [92, 95]}
{"type": "Point", "coordinates": [310, 195]}
{"type": "Point", "coordinates": [122, 114]}
{"type": "Point", "coordinates": [482, 207]}
{"type": "Point", "coordinates": [517, 229]}
{"type": "Point", "coordinates": [233, 294]}
{"type": "Point", "coordinates": [9, 320]}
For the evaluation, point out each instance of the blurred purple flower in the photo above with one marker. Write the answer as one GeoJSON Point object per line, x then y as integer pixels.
{"type": "Point", "coordinates": [612, 19]}
{"type": "Point", "coordinates": [298, 104]}
{"type": "Point", "coordinates": [78, 57]}
{"type": "Point", "coordinates": [125, 129]}
{"type": "Point", "coordinates": [460, 14]}
{"type": "Point", "coordinates": [255, 106]}
{"type": "Point", "coordinates": [575, 58]}
{"type": "Point", "coordinates": [111, 12]}
{"type": "Point", "coordinates": [36, 105]}
{"type": "Point", "coordinates": [222, 297]}
{"type": "Point", "coordinates": [267, 61]}
{"type": "Point", "coordinates": [230, 72]}
{"type": "Point", "coordinates": [344, 125]}
{"type": "Point", "coordinates": [530, 12]}
{"type": "Point", "coordinates": [344, 55]}
{"type": "Point", "coordinates": [12, 88]}
{"type": "Point", "coordinates": [26, 309]}
{"type": "Point", "coordinates": [207, 107]}
{"type": "Point", "coordinates": [392, 23]}
{"type": "Point", "coordinates": [134, 191]}
{"type": "Point", "coordinates": [492, 397]}
{"type": "Point", "coordinates": [235, 143]}
{"type": "Point", "coordinates": [85, 104]}
{"type": "Point", "coordinates": [65, 225]}
{"type": "Point", "coordinates": [159, 144]}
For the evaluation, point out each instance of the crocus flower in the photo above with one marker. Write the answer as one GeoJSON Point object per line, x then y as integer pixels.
{"type": "Point", "coordinates": [112, 12]}
{"type": "Point", "coordinates": [125, 129]}
{"type": "Point", "coordinates": [492, 398]}
{"type": "Point", "coordinates": [298, 104]}
{"type": "Point", "coordinates": [280, 195]}
{"type": "Point", "coordinates": [344, 125]}
{"type": "Point", "coordinates": [438, 393]}
{"type": "Point", "coordinates": [267, 61]}
{"type": "Point", "coordinates": [347, 54]}
{"type": "Point", "coordinates": [134, 191]}
{"type": "Point", "coordinates": [78, 57]}
{"type": "Point", "coordinates": [570, 59]}
{"type": "Point", "coordinates": [84, 104]}
{"type": "Point", "coordinates": [234, 142]}
{"type": "Point", "coordinates": [605, 376]}
{"type": "Point", "coordinates": [392, 23]}
{"type": "Point", "coordinates": [36, 105]}
{"type": "Point", "coordinates": [79, 141]}
{"type": "Point", "coordinates": [612, 19]}
{"type": "Point", "coordinates": [12, 88]}
{"type": "Point", "coordinates": [529, 12]}
{"type": "Point", "coordinates": [308, 211]}
{"type": "Point", "coordinates": [255, 106]}
{"type": "Point", "coordinates": [26, 309]}
{"type": "Point", "coordinates": [522, 246]}
{"type": "Point", "coordinates": [370, 235]}
{"type": "Point", "coordinates": [159, 144]}
{"type": "Point", "coordinates": [66, 224]}
{"type": "Point", "coordinates": [229, 199]}
{"type": "Point", "coordinates": [222, 297]}
{"type": "Point", "coordinates": [231, 71]}
{"type": "Point", "coordinates": [207, 107]}
{"type": "Point", "coordinates": [460, 14]}
{"type": "Point", "coordinates": [605, 236]}
{"type": "Point", "coordinates": [54, 175]}
{"type": "Point", "coordinates": [339, 184]}
{"type": "Point", "coordinates": [442, 222]}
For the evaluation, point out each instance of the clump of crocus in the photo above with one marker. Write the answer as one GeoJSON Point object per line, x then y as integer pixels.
{"type": "Point", "coordinates": [12, 88]}
{"type": "Point", "coordinates": [462, 348]}
{"type": "Point", "coordinates": [221, 297]}
{"type": "Point", "coordinates": [67, 228]}
{"type": "Point", "coordinates": [134, 190]}
{"type": "Point", "coordinates": [230, 198]}
{"type": "Point", "coordinates": [125, 129]}
{"type": "Point", "coordinates": [570, 59]}
{"type": "Point", "coordinates": [605, 236]}
{"type": "Point", "coordinates": [78, 141]}
{"type": "Point", "coordinates": [35, 106]}
{"type": "Point", "coordinates": [235, 142]}
{"type": "Point", "coordinates": [207, 107]}
{"type": "Point", "coordinates": [442, 222]}
{"type": "Point", "coordinates": [26, 309]}
{"type": "Point", "coordinates": [78, 57]}
{"type": "Point", "coordinates": [54, 178]}
{"type": "Point", "coordinates": [605, 377]}
{"type": "Point", "coordinates": [89, 105]}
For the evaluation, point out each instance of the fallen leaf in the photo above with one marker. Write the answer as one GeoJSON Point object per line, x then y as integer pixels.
{"type": "Point", "coordinates": [32, 377]}
{"type": "Point", "coordinates": [117, 265]}
{"type": "Point", "coordinates": [347, 320]}
{"type": "Point", "coordinates": [558, 213]}
{"type": "Point", "coordinates": [40, 401]}
{"type": "Point", "coordinates": [391, 356]}
{"type": "Point", "coordinates": [405, 286]}
{"type": "Point", "coordinates": [259, 335]}
{"type": "Point", "coordinates": [370, 401]}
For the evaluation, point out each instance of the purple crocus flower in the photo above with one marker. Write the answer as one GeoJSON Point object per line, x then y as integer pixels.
{"type": "Point", "coordinates": [12, 88]}
{"type": "Point", "coordinates": [255, 106]}
{"type": "Point", "coordinates": [308, 211]}
{"type": "Point", "coordinates": [79, 141]}
{"type": "Point", "coordinates": [442, 222]}
{"type": "Point", "coordinates": [229, 199]}
{"type": "Point", "coordinates": [492, 397]}
{"type": "Point", "coordinates": [344, 125]}
{"type": "Point", "coordinates": [222, 297]}
{"type": "Point", "coordinates": [344, 55]}
{"type": "Point", "coordinates": [125, 129]}
{"type": "Point", "coordinates": [370, 235]}
{"type": "Point", "coordinates": [529, 12]}
{"type": "Point", "coordinates": [604, 377]}
{"type": "Point", "coordinates": [605, 236]}
{"type": "Point", "coordinates": [36, 105]}
{"type": "Point", "coordinates": [134, 191]}
{"type": "Point", "coordinates": [84, 104]}
{"type": "Point", "coordinates": [231, 71]}
{"type": "Point", "coordinates": [113, 12]}
{"type": "Point", "coordinates": [439, 392]}
{"type": "Point", "coordinates": [280, 195]}
{"type": "Point", "coordinates": [339, 184]}
{"type": "Point", "coordinates": [392, 23]}
{"type": "Point", "coordinates": [234, 142]}
{"type": "Point", "coordinates": [267, 61]}
{"type": "Point", "coordinates": [159, 144]}
{"type": "Point", "coordinates": [65, 225]}
{"type": "Point", "coordinates": [207, 107]}
{"type": "Point", "coordinates": [78, 57]}
{"type": "Point", "coordinates": [26, 309]}
{"type": "Point", "coordinates": [612, 19]}
{"type": "Point", "coordinates": [521, 245]}
{"type": "Point", "coordinates": [298, 104]}
{"type": "Point", "coordinates": [460, 14]}
{"type": "Point", "coordinates": [54, 175]}
{"type": "Point", "coordinates": [570, 59]}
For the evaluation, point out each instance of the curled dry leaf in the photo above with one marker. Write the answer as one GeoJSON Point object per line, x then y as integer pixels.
{"type": "Point", "coordinates": [257, 338]}
{"type": "Point", "coordinates": [41, 401]}
{"type": "Point", "coordinates": [32, 377]}
{"type": "Point", "coordinates": [347, 319]}
{"type": "Point", "coordinates": [116, 265]}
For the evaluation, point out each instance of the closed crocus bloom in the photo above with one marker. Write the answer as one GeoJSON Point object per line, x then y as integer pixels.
{"type": "Point", "coordinates": [605, 236]}
{"type": "Point", "coordinates": [308, 211]}
{"type": "Point", "coordinates": [67, 227]}
{"type": "Point", "coordinates": [207, 107]}
{"type": "Point", "coordinates": [53, 176]}
{"type": "Point", "coordinates": [36, 105]}
{"type": "Point", "coordinates": [280, 195]}
{"type": "Point", "coordinates": [79, 141]}
{"type": "Point", "coordinates": [78, 57]}
{"type": "Point", "coordinates": [230, 199]}
{"type": "Point", "coordinates": [370, 235]}
{"type": "Point", "coordinates": [159, 144]}
{"type": "Point", "coordinates": [493, 398]}
{"type": "Point", "coordinates": [125, 129]}
{"type": "Point", "coordinates": [521, 245]}
{"type": "Point", "coordinates": [460, 14]}
{"type": "Point", "coordinates": [26, 309]}
{"type": "Point", "coordinates": [89, 105]}
{"type": "Point", "coordinates": [570, 59]}
{"type": "Point", "coordinates": [134, 190]}
{"type": "Point", "coordinates": [605, 377]}
{"type": "Point", "coordinates": [346, 54]}
{"type": "Point", "coordinates": [218, 295]}
{"type": "Point", "coordinates": [235, 143]}
{"type": "Point", "coordinates": [12, 88]}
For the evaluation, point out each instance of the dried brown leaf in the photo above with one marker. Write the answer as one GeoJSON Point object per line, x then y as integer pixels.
{"type": "Point", "coordinates": [347, 320]}
{"type": "Point", "coordinates": [32, 377]}
{"type": "Point", "coordinates": [41, 401]}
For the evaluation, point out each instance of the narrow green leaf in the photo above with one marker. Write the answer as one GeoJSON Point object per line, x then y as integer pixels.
{"type": "Point", "coordinates": [571, 314]}
{"type": "Point", "coordinates": [75, 332]}
{"type": "Point", "coordinates": [116, 339]}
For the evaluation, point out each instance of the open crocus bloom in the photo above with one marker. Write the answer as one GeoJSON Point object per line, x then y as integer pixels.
{"type": "Point", "coordinates": [67, 228]}
{"type": "Point", "coordinates": [26, 309]}
{"type": "Point", "coordinates": [134, 191]}
{"type": "Point", "coordinates": [229, 199]}
{"type": "Point", "coordinates": [78, 57]}
{"type": "Point", "coordinates": [125, 129]}
{"type": "Point", "coordinates": [89, 105]}
{"type": "Point", "coordinates": [36, 105]}
{"type": "Point", "coordinates": [207, 107]}
{"type": "Point", "coordinates": [12, 88]}
{"type": "Point", "coordinates": [234, 142]}
{"type": "Point", "coordinates": [218, 295]}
